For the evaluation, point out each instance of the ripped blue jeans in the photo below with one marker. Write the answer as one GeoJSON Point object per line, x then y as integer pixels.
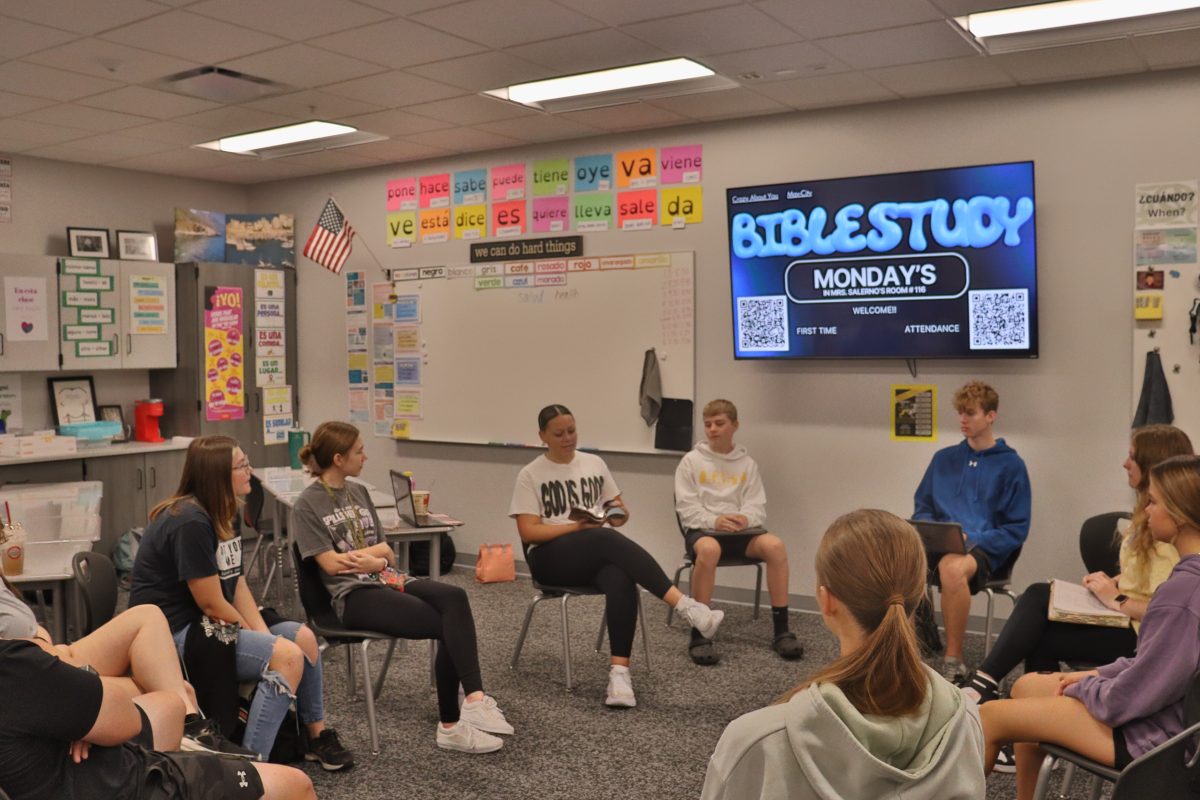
{"type": "Point", "coordinates": [273, 696]}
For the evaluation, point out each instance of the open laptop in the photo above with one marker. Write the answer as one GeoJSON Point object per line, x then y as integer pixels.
{"type": "Point", "coordinates": [940, 537]}
{"type": "Point", "coordinates": [406, 507]}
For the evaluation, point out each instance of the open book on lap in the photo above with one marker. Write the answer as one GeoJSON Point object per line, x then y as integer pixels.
{"type": "Point", "coordinates": [1071, 602]}
{"type": "Point", "coordinates": [611, 514]}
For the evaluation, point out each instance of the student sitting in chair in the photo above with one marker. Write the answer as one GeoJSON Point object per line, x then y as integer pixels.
{"type": "Point", "coordinates": [721, 503]}
{"type": "Point", "coordinates": [980, 483]}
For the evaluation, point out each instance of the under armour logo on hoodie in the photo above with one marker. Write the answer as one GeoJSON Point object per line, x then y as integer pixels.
{"type": "Point", "coordinates": [972, 463]}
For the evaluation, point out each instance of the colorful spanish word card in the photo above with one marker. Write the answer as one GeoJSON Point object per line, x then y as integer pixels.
{"type": "Point", "coordinates": [402, 194]}
{"type": "Point", "coordinates": [637, 211]}
{"type": "Point", "coordinates": [402, 228]}
{"type": "Point", "coordinates": [551, 214]}
{"type": "Point", "coordinates": [593, 173]}
{"type": "Point", "coordinates": [508, 182]}
{"type": "Point", "coordinates": [508, 218]}
{"type": "Point", "coordinates": [682, 205]}
{"type": "Point", "coordinates": [550, 177]}
{"type": "Point", "coordinates": [470, 187]}
{"type": "Point", "coordinates": [592, 212]}
{"type": "Point", "coordinates": [470, 222]}
{"type": "Point", "coordinates": [681, 164]}
{"type": "Point", "coordinates": [435, 191]}
{"type": "Point", "coordinates": [435, 225]}
{"type": "Point", "coordinates": [636, 169]}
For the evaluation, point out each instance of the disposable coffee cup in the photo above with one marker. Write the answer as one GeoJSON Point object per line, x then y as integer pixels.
{"type": "Point", "coordinates": [12, 557]}
{"type": "Point", "coordinates": [421, 501]}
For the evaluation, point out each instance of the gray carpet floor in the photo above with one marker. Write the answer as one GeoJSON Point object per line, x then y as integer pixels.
{"type": "Point", "coordinates": [568, 744]}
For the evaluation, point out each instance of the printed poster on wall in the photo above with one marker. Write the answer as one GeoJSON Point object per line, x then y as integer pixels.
{"type": "Point", "coordinates": [270, 342]}
{"type": "Point", "coordinates": [25, 310]}
{"type": "Point", "coordinates": [10, 401]}
{"type": "Point", "coordinates": [147, 304]}
{"type": "Point", "coordinates": [268, 284]}
{"type": "Point", "coordinates": [268, 314]}
{"type": "Point", "coordinates": [1165, 205]}
{"type": "Point", "coordinates": [277, 414]}
{"type": "Point", "coordinates": [224, 375]}
{"type": "Point", "coordinates": [914, 413]}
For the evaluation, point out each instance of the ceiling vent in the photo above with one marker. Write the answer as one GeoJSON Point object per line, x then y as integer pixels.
{"type": "Point", "coordinates": [220, 85]}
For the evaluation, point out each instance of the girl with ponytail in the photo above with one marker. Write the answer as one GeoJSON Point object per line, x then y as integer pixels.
{"type": "Point", "coordinates": [876, 721]}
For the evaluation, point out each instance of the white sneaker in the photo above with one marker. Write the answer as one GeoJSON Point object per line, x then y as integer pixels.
{"type": "Point", "coordinates": [702, 618]}
{"type": "Point", "coordinates": [620, 689]}
{"type": "Point", "coordinates": [465, 738]}
{"type": "Point", "coordinates": [483, 715]}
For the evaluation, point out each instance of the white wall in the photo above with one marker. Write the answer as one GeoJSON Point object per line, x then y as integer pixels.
{"type": "Point", "coordinates": [50, 196]}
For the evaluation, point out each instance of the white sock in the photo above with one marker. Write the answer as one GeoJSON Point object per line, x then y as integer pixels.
{"type": "Point", "coordinates": [619, 668]}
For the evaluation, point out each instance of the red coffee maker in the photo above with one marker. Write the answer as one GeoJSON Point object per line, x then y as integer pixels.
{"type": "Point", "coordinates": [145, 420]}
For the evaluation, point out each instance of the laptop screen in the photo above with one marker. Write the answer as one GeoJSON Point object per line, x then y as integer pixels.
{"type": "Point", "coordinates": [402, 491]}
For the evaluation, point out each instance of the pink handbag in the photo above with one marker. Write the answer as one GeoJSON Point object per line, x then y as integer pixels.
{"type": "Point", "coordinates": [495, 564]}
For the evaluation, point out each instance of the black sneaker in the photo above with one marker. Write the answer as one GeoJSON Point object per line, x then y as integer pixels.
{"type": "Point", "coordinates": [329, 751]}
{"type": "Point", "coordinates": [202, 735]}
{"type": "Point", "coordinates": [1006, 762]}
{"type": "Point", "coordinates": [980, 688]}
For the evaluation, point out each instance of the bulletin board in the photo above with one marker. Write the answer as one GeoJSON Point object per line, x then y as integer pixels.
{"type": "Point", "coordinates": [573, 331]}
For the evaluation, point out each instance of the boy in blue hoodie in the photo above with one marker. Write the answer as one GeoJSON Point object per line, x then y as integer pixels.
{"type": "Point", "coordinates": [980, 483]}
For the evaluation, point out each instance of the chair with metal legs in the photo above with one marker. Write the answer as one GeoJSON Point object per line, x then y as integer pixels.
{"type": "Point", "coordinates": [689, 564]}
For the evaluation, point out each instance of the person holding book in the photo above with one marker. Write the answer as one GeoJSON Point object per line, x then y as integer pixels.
{"type": "Point", "coordinates": [1125, 709]}
{"type": "Point", "coordinates": [982, 484]}
{"type": "Point", "coordinates": [336, 525]}
{"type": "Point", "coordinates": [722, 507]}
{"type": "Point", "coordinates": [565, 551]}
{"type": "Point", "coordinates": [876, 722]}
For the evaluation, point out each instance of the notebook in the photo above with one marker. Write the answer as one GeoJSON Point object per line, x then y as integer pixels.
{"type": "Point", "coordinates": [1071, 602]}
{"type": "Point", "coordinates": [406, 508]}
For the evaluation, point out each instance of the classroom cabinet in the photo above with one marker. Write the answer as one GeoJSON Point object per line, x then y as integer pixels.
{"type": "Point", "coordinates": [66, 471]}
{"type": "Point", "coordinates": [121, 317]}
{"type": "Point", "coordinates": [28, 340]}
{"type": "Point", "coordinates": [133, 485]}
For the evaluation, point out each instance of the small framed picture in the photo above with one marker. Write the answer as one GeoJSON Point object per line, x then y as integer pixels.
{"type": "Point", "coordinates": [72, 399]}
{"type": "Point", "coordinates": [113, 414]}
{"type": "Point", "coordinates": [88, 242]}
{"type": "Point", "coordinates": [137, 246]}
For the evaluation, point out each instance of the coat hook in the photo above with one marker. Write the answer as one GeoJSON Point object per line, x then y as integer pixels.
{"type": "Point", "coordinates": [1176, 369]}
{"type": "Point", "coordinates": [1152, 333]}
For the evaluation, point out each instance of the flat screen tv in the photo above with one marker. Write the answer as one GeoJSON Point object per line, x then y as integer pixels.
{"type": "Point", "coordinates": [933, 264]}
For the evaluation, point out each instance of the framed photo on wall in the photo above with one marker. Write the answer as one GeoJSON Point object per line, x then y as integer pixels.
{"type": "Point", "coordinates": [72, 399]}
{"type": "Point", "coordinates": [88, 242]}
{"type": "Point", "coordinates": [137, 246]}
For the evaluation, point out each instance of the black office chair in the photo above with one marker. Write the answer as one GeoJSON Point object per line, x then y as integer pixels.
{"type": "Point", "coordinates": [96, 578]}
{"type": "Point", "coordinates": [725, 561]}
{"type": "Point", "coordinates": [252, 513]}
{"type": "Point", "coordinates": [1164, 772]}
{"type": "Point", "coordinates": [565, 593]}
{"type": "Point", "coordinates": [1099, 545]}
{"type": "Point", "coordinates": [324, 622]}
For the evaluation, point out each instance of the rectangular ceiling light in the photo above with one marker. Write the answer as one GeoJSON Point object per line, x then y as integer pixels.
{"type": "Point", "coordinates": [257, 141]}
{"type": "Point", "coordinates": [663, 74]}
{"type": "Point", "coordinates": [1075, 21]}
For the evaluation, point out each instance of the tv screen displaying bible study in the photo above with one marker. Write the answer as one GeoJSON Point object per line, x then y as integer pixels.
{"type": "Point", "coordinates": [931, 264]}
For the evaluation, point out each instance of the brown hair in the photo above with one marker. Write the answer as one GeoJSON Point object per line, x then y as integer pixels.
{"type": "Point", "coordinates": [1178, 483]}
{"type": "Point", "coordinates": [719, 406]}
{"type": "Point", "coordinates": [976, 394]}
{"type": "Point", "coordinates": [1151, 444]}
{"type": "Point", "coordinates": [207, 481]}
{"type": "Point", "coordinates": [550, 412]}
{"type": "Point", "coordinates": [328, 440]}
{"type": "Point", "coordinates": [874, 564]}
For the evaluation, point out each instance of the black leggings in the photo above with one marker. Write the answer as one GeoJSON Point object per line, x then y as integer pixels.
{"type": "Point", "coordinates": [615, 565]}
{"type": "Point", "coordinates": [1030, 636]}
{"type": "Point", "coordinates": [426, 609]}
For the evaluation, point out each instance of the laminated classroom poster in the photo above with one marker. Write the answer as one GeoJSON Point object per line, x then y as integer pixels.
{"type": "Point", "coordinates": [682, 164]}
{"type": "Point", "coordinates": [268, 284]}
{"type": "Point", "coordinates": [224, 371]}
{"type": "Point", "coordinates": [402, 229]}
{"type": "Point", "coordinates": [470, 187]}
{"type": "Point", "coordinates": [637, 211]}
{"type": "Point", "coordinates": [147, 304]}
{"type": "Point", "coordinates": [278, 417]}
{"type": "Point", "coordinates": [435, 191]}
{"type": "Point", "coordinates": [508, 182]}
{"type": "Point", "coordinates": [25, 309]}
{"type": "Point", "coordinates": [551, 214]}
{"type": "Point", "coordinates": [358, 405]}
{"type": "Point", "coordinates": [402, 194]}
{"type": "Point", "coordinates": [408, 404]}
{"type": "Point", "coordinates": [1171, 204]}
{"type": "Point", "coordinates": [636, 169]}
{"type": "Point", "coordinates": [594, 173]}
{"type": "Point", "coordinates": [681, 205]}
{"type": "Point", "coordinates": [914, 413]}
{"type": "Point", "coordinates": [551, 176]}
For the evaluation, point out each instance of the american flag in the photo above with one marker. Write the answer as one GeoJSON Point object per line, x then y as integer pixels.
{"type": "Point", "coordinates": [331, 239]}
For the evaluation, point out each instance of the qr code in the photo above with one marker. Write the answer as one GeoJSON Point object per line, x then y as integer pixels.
{"type": "Point", "coordinates": [999, 319]}
{"type": "Point", "coordinates": [762, 324]}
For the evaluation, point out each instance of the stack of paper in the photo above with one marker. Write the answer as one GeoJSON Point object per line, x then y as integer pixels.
{"type": "Point", "coordinates": [1071, 602]}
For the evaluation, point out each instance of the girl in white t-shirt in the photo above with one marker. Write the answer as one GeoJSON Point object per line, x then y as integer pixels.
{"type": "Point", "coordinates": [564, 551]}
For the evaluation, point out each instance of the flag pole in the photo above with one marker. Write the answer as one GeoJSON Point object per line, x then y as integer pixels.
{"type": "Point", "coordinates": [363, 240]}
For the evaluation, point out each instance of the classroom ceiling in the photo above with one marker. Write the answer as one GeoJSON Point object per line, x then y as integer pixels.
{"type": "Point", "coordinates": [79, 79]}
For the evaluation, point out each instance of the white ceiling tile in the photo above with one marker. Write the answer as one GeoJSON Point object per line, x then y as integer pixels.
{"type": "Point", "coordinates": [464, 139]}
{"type": "Point", "coordinates": [720, 105]}
{"type": "Point", "coordinates": [109, 147]}
{"type": "Point", "coordinates": [331, 160]}
{"type": "Point", "coordinates": [296, 19]}
{"type": "Point", "coordinates": [542, 128]}
{"type": "Point", "coordinates": [1169, 50]}
{"type": "Point", "coordinates": [589, 51]}
{"type": "Point", "coordinates": [302, 66]}
{"type": "Point", "coordinates": [471, 110]}
{"type": "Point", "coordinates": [191, 36]}
{"type": "Point", "coordinates": [832, 90]}
{"type": "Point", "coordinates": [68, 153]}
{"type": "Point", "coordinates": [397, 43]}
{"type": "Point", "coordinates": [57, 84]}
{"type": "Point", "coordinates": [504, 23]}
{"type": "Point", "coordinates": [11, 145]}
{"type": "Point", "coordinates": [182, 161]}
{"type": "Point", "coordinates": [231, 120]}
{"type": "Point", "coordinates": [928, 41]}
{"type": "Point", "coordinates": [395, 150]}
{"type": "Point", "coordinates": [394, 123]}
{"type": "Point", "coordinates": [19, 38]}
{"type": "Point", "coordinates": [110, 60]}
{"type": "Point", "coordinates": [23, 130]}
{"type": "Point", "coordinates": [627, 117]}
{"type": "Point", "coordinates": [170, 133]}
{"type": "Point", "coordinates": [313, 104]}
{"type": "Point", "coordinates": [958, 8]}
{"type": "Point", "coordinates": [394, 89]}
{"type": "Point", "coordinates": [623, 12]}
{"type": "Point", "coordinates": [942, 77]}
{"type": "Point", "coordinates": [1075, 61]}
{"type": "Point", "coordinates": [721, 30]}
{"type": "Point", "coordinates": [13, 104]}
{"type": "Point", "coordinates": [484, 71]}
{"type": "Point", "coordinates": [148, 102]}
{"type": "Point", "coordinates": [816, 19]}
{"type": "Point", "coordinates": [781, 62]}
{"type": "Point", "coordinates": [257, 172]}
{"type": "Point", "coordinates": [77, 116]}
{"type": "Point", "coordinates": [81, 16]}
{"type": "Point", "coordinates": [404, 8]}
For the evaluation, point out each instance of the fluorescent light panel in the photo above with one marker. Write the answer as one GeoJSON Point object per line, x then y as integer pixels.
{"type": "Point", "coordinates": [608, 80]}
{"type": "Point", "coordinates": [1067, 13]}
{"type": "Point", "coordinates": [277, 137]}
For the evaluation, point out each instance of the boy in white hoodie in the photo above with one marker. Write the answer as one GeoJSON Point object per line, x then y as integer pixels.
{"type": "Point", "coordinates": [721, 503]}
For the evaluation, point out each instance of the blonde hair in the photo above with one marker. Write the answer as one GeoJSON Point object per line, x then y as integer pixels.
{"type": "Point", "coordinates": [976, 394]}
{"type": "Point", "coordinates": [1150, 444]}
{"type": "Point", "coordinates": [873, 562]}
{"type": "Point", "coordinates": [207, 481]}
{"type": "Point", "coordinates": [1178, 482]}
{"type": "Point", "coordinates": [725, 407]}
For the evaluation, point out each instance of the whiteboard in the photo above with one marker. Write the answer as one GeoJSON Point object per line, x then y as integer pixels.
{"type": "Point", "coordinates": [492, 358]}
